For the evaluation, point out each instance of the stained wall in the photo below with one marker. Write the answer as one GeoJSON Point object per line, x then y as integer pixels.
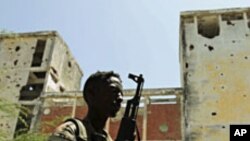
{"type": "Point", "coordinates": [28, 68]}
{"type": "Point", "coordinates": [215, 59]}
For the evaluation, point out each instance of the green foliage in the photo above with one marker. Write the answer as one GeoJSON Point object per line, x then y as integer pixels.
{"type": "Point", "coordinates": [31, 137]}
{"type": "Point", "coordinates": [3, 135]}
{"type": "Point", "coordinates": [9, 109]}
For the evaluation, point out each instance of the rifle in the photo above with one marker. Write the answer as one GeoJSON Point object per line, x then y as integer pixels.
{"type": "Point", "coordinates": [127, 128]}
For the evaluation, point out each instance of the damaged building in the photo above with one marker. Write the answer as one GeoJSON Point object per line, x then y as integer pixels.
{"type": "Point", "coordinates": [215, 58]}
{"type": "Point", "coordinates": [29, 68]}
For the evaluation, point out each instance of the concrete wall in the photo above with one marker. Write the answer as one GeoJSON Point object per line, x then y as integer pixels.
{"type": "Point", "coordinates": [215, 58]}
{"type": "Point", "coordinates": [27, 61]}
{"type": "Point", "coordinates": [64, 70]}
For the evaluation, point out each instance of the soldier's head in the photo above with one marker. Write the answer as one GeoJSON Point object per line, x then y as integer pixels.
{"type": "Point", "coordinates": [103, 93]}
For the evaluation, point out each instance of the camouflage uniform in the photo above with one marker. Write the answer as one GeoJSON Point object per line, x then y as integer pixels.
{"type": "Point", "coordinates": [77, 130]}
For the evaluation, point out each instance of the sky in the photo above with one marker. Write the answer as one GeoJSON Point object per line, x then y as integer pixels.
{"type": "Point", "coordinates": [126, 36]}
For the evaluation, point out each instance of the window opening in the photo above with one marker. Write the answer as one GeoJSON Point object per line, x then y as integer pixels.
{"type": "Point", "coordinates": [38, 55]}
{"type": "Point", "coordinates": [40, 75]}
{"type": "Point", "coordinates": [30, 91]}
{"type": "Point", "coordinates": [208, 26]}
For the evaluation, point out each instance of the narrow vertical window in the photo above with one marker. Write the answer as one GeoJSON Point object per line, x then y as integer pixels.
{"type": "Point", "coordinates": [38, 54]}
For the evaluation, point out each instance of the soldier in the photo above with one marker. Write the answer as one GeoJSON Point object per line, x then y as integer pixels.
{"type": "Point", "coordinates": [103, 95]}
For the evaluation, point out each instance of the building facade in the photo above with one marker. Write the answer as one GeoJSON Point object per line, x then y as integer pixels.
{"type": "Point", "coordinates": [215, 58]}
{"type": "Point", "coordinates": [32, 64]}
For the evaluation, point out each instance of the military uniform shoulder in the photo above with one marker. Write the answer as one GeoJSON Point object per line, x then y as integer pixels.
{"type": "Point", "coordinates": [71, 130]}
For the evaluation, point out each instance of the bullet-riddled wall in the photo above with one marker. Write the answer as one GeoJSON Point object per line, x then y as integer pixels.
{"type": "Point", "coordinates": [215, 64]}
{"type": "Point", "coordinates": [31, 64]}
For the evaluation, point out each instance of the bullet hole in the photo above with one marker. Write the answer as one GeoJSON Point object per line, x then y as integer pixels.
{"type": "Point", "coordinates": [213, 113]}
{"type": "Point", "coordinates": [32, 47]}
{"type": "Point", "coordinates": [4, 64]}
{"type": "Point", "coordinates": [69, 64]}
{"type": "Point", "coordinates": [210, 48]}
{"type": "Point", "coordinates": [246, 35]}
{"type": "Point", "coordinates": [231, 55]}
{"type": "Point", "coordinates": [7, 125]}
{"type": "Point", "coordinates": [53, 70]}
{"type": "Point", "coordinates": [233, 41]}
{"type": "Point", "coordinates": [221, 74]}
{"type": "Point", "coordinates": [62, 89]}
{"type": "Point", "coordinates": [222, 87]}
{"type": "Point", "coordinates": [246, 57]}
{"type": "Point", "coordinates": [223, 127]}
{"type": "Point", "coordinates": [244, 95]}
{"type": "Point", "coordinates": [17, 85]}
{"type": "Point", "coordinates": [17, 48]}
{"type": "Point", "coordinates": [230, 23]}
{"type": "Point", "coordinates": [186, 65]}
{"type": "Point", "coordinates": [8, 77]}
{"type": "Point", "coordinates": [15, 62]}
{"type": "Point", "coordinates": [191, 47]}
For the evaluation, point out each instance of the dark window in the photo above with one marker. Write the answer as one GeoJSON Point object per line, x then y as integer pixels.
{"type": "Point", "coordinates": [40, 75]}
{"type": "Point", "coordinates": [208, 26]}
{"type": "Point", "coordinates": [30, 91]}
{"type": "Point", "coordinates": [231, 16]}
{"type": "Point", "coordinates": [38, 55]}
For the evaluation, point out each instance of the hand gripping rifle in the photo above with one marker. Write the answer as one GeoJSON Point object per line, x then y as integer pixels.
{"type": "Point", "coordinates": [128, 123]}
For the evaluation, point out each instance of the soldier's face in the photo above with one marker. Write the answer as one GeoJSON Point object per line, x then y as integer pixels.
{"type": "Point", "coordinates": [111, 97]}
